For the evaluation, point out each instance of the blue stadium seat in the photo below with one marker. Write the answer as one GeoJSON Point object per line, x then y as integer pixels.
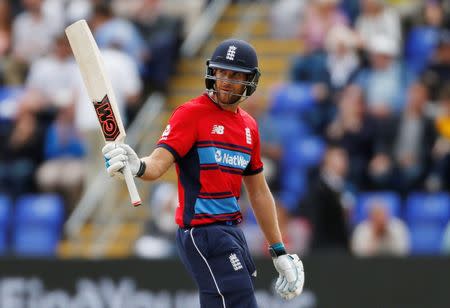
{"type": "Point", "coordinates": [37, 225]}
{"type": "Point", "coordinates": [290, 127]}
{"type": "Point", "coordinates": [294, 184]}
{"type": "Point", "coordinates": [427, 216]}
{"type": "Point", "coordinates": [423, 207]}
{"type": "Point", "coordinates": [391, 200]}
{"type": "Point", "coordinates": [309, 151]}
{"type": "Point", "coordinates": [426, 238]}
{"type": "Point", "coordinates": [292, 98]}
{"type": "Point", "coordinates": [6, 206]}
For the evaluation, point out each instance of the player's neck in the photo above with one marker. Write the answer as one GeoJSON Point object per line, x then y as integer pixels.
{"type": "Point", "coordinates": [228, 107]}
{"type": "Point", "coordinates": [232, 108]}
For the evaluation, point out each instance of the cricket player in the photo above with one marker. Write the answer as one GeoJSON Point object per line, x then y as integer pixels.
{"type": "Point", "coordinates": [215, 145]}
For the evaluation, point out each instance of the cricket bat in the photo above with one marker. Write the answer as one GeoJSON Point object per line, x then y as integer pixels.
{"type": "Point", "coordinates": [100, 91]}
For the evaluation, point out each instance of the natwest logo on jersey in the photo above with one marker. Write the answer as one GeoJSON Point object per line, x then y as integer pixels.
{"type": "Point", "coordinates": [232, 159]}
{"type": "Point", "coordinates": [217, 130]}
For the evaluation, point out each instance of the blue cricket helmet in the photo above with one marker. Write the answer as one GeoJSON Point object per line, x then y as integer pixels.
{"type": "Point", "coordinates": [235, 55]}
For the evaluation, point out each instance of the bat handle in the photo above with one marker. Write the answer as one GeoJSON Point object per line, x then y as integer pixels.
{"type": "Point", "coordinates": [132, 189]}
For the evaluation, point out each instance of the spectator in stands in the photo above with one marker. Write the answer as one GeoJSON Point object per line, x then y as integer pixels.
{"type": "Point", "coordinates": [376, 19]}
{"type": "Point", "coordinates": [51, 82]}
{"type": "Point", "coordinates": [20, 155]}
{"type": "Point", "coordinates": [62, 172]}
{"type": "Point", "coordinates": [439, 178]}
{"type": "Point", "coordinates": [384, 83]}
{"type": "Point", "coordinates": [323, 207]}
{"type": "Point", "coordinates": [284, 16]}
{"type": "Point", "coordinates": [319, 18]}
{"type": "Point", "coordinates": [413, 140]}
{"type": "Point", "coordinates": [342, 57]}
{"type": "Point", "coordinates": [64, 12]}
{"type": "Point", "coordinates": [423, 38]}
{"type": "Point", "coordinates": [438, 71]}
{"type": "Point", "coordinates": [354, 129]}
{"type": "Point", "coordinates": [386, 79]}
{"type": "Point", "coordinates": [33, 33]}
{"type": "Point", "coordinates": [380, 234]}
{"type": "Point", "coordinates": [111, 30]}
{"type": "Point", "coordinates": [162, 35]}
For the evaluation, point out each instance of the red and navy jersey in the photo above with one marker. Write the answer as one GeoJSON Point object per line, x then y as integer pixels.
{"type": "Point", "coordinates": [213, 149]}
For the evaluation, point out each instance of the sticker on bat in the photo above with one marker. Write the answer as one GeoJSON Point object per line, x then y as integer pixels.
{"type": "Point", "coordinates": [107, 119]}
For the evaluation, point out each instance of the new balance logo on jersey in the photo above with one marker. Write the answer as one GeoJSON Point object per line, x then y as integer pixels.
{"type": "Point", "coordinates": [231, 52]}
{"type": "Point", "coordinates": [235, 262]}
{"type": "Point", "coordinates": [217, 130]}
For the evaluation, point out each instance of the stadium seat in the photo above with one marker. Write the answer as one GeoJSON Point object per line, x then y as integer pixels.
{"type": "Point", "coordinates": [292, 98]}
{"type": "Point", "coordinates": [6, 206]}
{"type": "Point", "coordinates": [38, 221]}
{"type": "Point", "coordinates": [423, 207]}
{"type": "Point", "coordinates": [426, 238]}
{"type": "Point", "coordinates": [391, 200]}
{"type": "Point", "coordinates": [294, 184]}
{"type": "Point", "coordinates": [427, 216]}
{"type": "Point", "coordinates": [290, 127]}
{"type": "Point", "coordinates": [306, 152]}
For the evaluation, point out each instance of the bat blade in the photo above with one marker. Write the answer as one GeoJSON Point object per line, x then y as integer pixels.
{"type": "Point", "coordinates": [100, 91]}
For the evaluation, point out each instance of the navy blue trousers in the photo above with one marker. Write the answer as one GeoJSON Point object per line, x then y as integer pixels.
{"type": "Point", "coordinates": [218, 259]}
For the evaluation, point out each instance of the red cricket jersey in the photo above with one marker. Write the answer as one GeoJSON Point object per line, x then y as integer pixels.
{"type": "Point", "coordinates": [213, 149]}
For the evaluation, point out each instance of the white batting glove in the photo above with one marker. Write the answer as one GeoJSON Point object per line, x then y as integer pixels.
{"type": "Point", "coordinates": [117, 155]}
{"type": "Point", "coordinates": [291, 276]}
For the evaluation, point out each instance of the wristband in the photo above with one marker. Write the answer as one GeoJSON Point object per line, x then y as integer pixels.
{"type": "Point", "coordinates": [141, 170]}
{"type": "Point", "coordinates": [277, 250]}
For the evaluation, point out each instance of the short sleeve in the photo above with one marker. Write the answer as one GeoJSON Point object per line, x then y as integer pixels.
{"type": "Point", "coordinates": [180, 133]}
{"type": "Point", "coordinates": [255, 166]}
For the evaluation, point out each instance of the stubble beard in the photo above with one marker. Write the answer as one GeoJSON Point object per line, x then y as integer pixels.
{"type": "Point", "coordinates": [227, 98]}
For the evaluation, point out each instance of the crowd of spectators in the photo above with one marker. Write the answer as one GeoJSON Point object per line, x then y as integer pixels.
{"type": "Point", "coordinates": [365, 109]}
{"type": "Point", "coordinates": [51, 136]}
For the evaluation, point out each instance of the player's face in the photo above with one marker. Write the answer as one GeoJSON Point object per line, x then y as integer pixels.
{"type": "Point", "coordinates": [229, 84]}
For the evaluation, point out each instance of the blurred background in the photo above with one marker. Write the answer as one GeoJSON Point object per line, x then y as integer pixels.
{"type": "Point", "coordinates": [353, 108]}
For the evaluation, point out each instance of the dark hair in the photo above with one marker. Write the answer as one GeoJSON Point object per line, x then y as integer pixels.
{"type": "Point", "coordinates": [103, 9]}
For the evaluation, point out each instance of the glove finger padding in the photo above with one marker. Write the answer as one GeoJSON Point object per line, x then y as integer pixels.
{"type": "Point", "coordinates": [115, 168]}
{"type": "Point", "coordinates": [119, 158]}
{"type": "Point", "coordinates": [290, 282]}
{"type": "Point", "coordinates": [115, 152]}
{"type": "Point", "coordinates": [109, 147]}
